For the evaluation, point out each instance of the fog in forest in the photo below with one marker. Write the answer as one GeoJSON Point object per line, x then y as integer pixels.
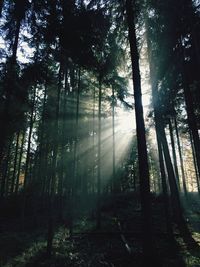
{"type": "Point", "coordinates": [99, 133]}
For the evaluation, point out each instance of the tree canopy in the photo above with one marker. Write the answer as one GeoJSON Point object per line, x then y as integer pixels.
{"type": "Point", "coordinates": [81, 150]}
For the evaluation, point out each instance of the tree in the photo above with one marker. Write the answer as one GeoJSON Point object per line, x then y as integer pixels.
{"type": "Point", "coordinates": [141, 139]}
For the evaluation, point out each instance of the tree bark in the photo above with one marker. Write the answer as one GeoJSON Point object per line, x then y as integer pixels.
{"type": "Point", "coordinates": [75, 156]}
{"type": "Point", "coordinates": [113, 142]}
{"type": "Point", "coordinates": [141, 138]}
{"type": "Point", "coordinates": [195, 162]}
{"type": "Point", "coordinates": [99, 158]}
{"type": "Point", "coordinates": [15, 163]}
{"type": "Point", "coordinates": [41, 155]}
{"type": "Point", "coordinates": [93, 141]}
{"type": "Point", "coordinates": [165, 190]}
{"type": "Point", "coordinates": [29, 139]}
{"type": "Point", "coordinates": [62, 157]}
{"type": "Point", "coordinates": [19, 162]}
{"type": "Point", "coordinates": [52, 189]}
{"type": "Point", "coordinates": [174, 153]}
{"type": "Point", "coordinates": [26, 171]}
{"type": "Point", "coordinates": [181, 158]}
{"type": "Point", "coordinates": [5, 166]}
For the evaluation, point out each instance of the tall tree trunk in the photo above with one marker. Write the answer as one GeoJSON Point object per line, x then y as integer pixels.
{"type": "Point", "coordinates": [16, 42]}
{"type": "Point", "coordinates": [26, 171]}
{"type": "Point", "coordinates": [8, 175]}
{"type": "Point", "coordinates": [93, 141]}
{"type": "Point", "coordinates": [174, 153]}
{"type": "Point", "coordinates": [113, 142]}
{"type": "Point", "coordinates": [181, 158]}
{"type": "Point", "coordinates": [195, 162]}
{"type": "Point", "coordinates": [15, 163]}
{"type": "Point", "coordinates": [62, 157]}
{"type": "Point", "coordinates": [141, 138]}
{"type": "Point", "coordinates": [50, 231]}
{"type": "Point", "coordinates": [5, 166]}
{"type": "Point", "coordinates": [152, 176]}
{"type": "Point", "coordinates": [75, 157]}
{"type": "Point", "coordinates": [20, 161]}
{"type": "Point", "coordinates": [45, 179]}
{"type": "Point", "coordinates": [41, 155]}
{"type": "Point", "coordinates": [99, 158]}
{"type": "Point", "coordinates": [29, 139]}
{"type": "Point", "coordinates": [164, 188]}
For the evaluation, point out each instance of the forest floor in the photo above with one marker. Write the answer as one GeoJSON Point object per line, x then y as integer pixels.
{"type": "Point", "coordinates": [117, 244]}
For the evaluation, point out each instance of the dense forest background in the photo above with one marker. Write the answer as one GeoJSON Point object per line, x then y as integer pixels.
{"type": "Point", "coordinates": [89, 176]}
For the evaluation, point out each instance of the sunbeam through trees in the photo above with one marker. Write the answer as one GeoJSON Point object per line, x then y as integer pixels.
{"type": "Point", "coordinates": [99, 133]}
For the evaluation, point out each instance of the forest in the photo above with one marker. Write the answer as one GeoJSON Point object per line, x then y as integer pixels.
{"type": "Point", "coordinates": [99, 133]}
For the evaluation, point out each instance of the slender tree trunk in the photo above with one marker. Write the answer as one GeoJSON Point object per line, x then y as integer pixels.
{"type": "Point", "coordinates": [165, 190]}
{"type": "Point", "coordinates": [85, 167]}
{"type": "Point", "coordinates": [181, 158]}
{"type": "Point", "coordinates": [99, 159]}
{"type": "Point", "coordinates": [93, 142]}
{"type": "Point", "coordinates": [195, 162]}
{"type": "Point", "coordinates": [8, 175]}
{"type": "Point", "coordinates": [29, 140]}
{"type": "Point", "coordinates": [5, 168]}
{"type": "Point", "coordinates": [174, 153]}
{"type": "Point", "coordinates": [134, 178]}
{"type": "Point", "coordinates": [75, 157]}
{"type": "Point", "coordinates": [27, 164]}
{"type": "Point", "coordinates": [16, 41]}
{"type": "Point", "coordinates": [41, 155]}
{"type": "Point", "coordinates": [20, 161]}
{"type": "Point", "coordinates": [45, 190]}
{"type": "Point", "coordinates": [152, 176]}
{"type": "Point", "coordinates": [50, 233]}
{"type": "Point", "coordinates": [141, 139]}
{"type": "Point", "coordinates": [15, 163]}
{"type": "Point", "coordinates": [61, 172]}
{"type": "Point", "coordinates": [113, 141]}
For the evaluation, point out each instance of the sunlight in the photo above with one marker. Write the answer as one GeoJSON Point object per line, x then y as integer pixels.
{"type": "Point", "coordinates": [125, 121]}
{"type": "Point", "coordinates": [123, 135]}
{"type": "Point", "coordinates": [99, 124]}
